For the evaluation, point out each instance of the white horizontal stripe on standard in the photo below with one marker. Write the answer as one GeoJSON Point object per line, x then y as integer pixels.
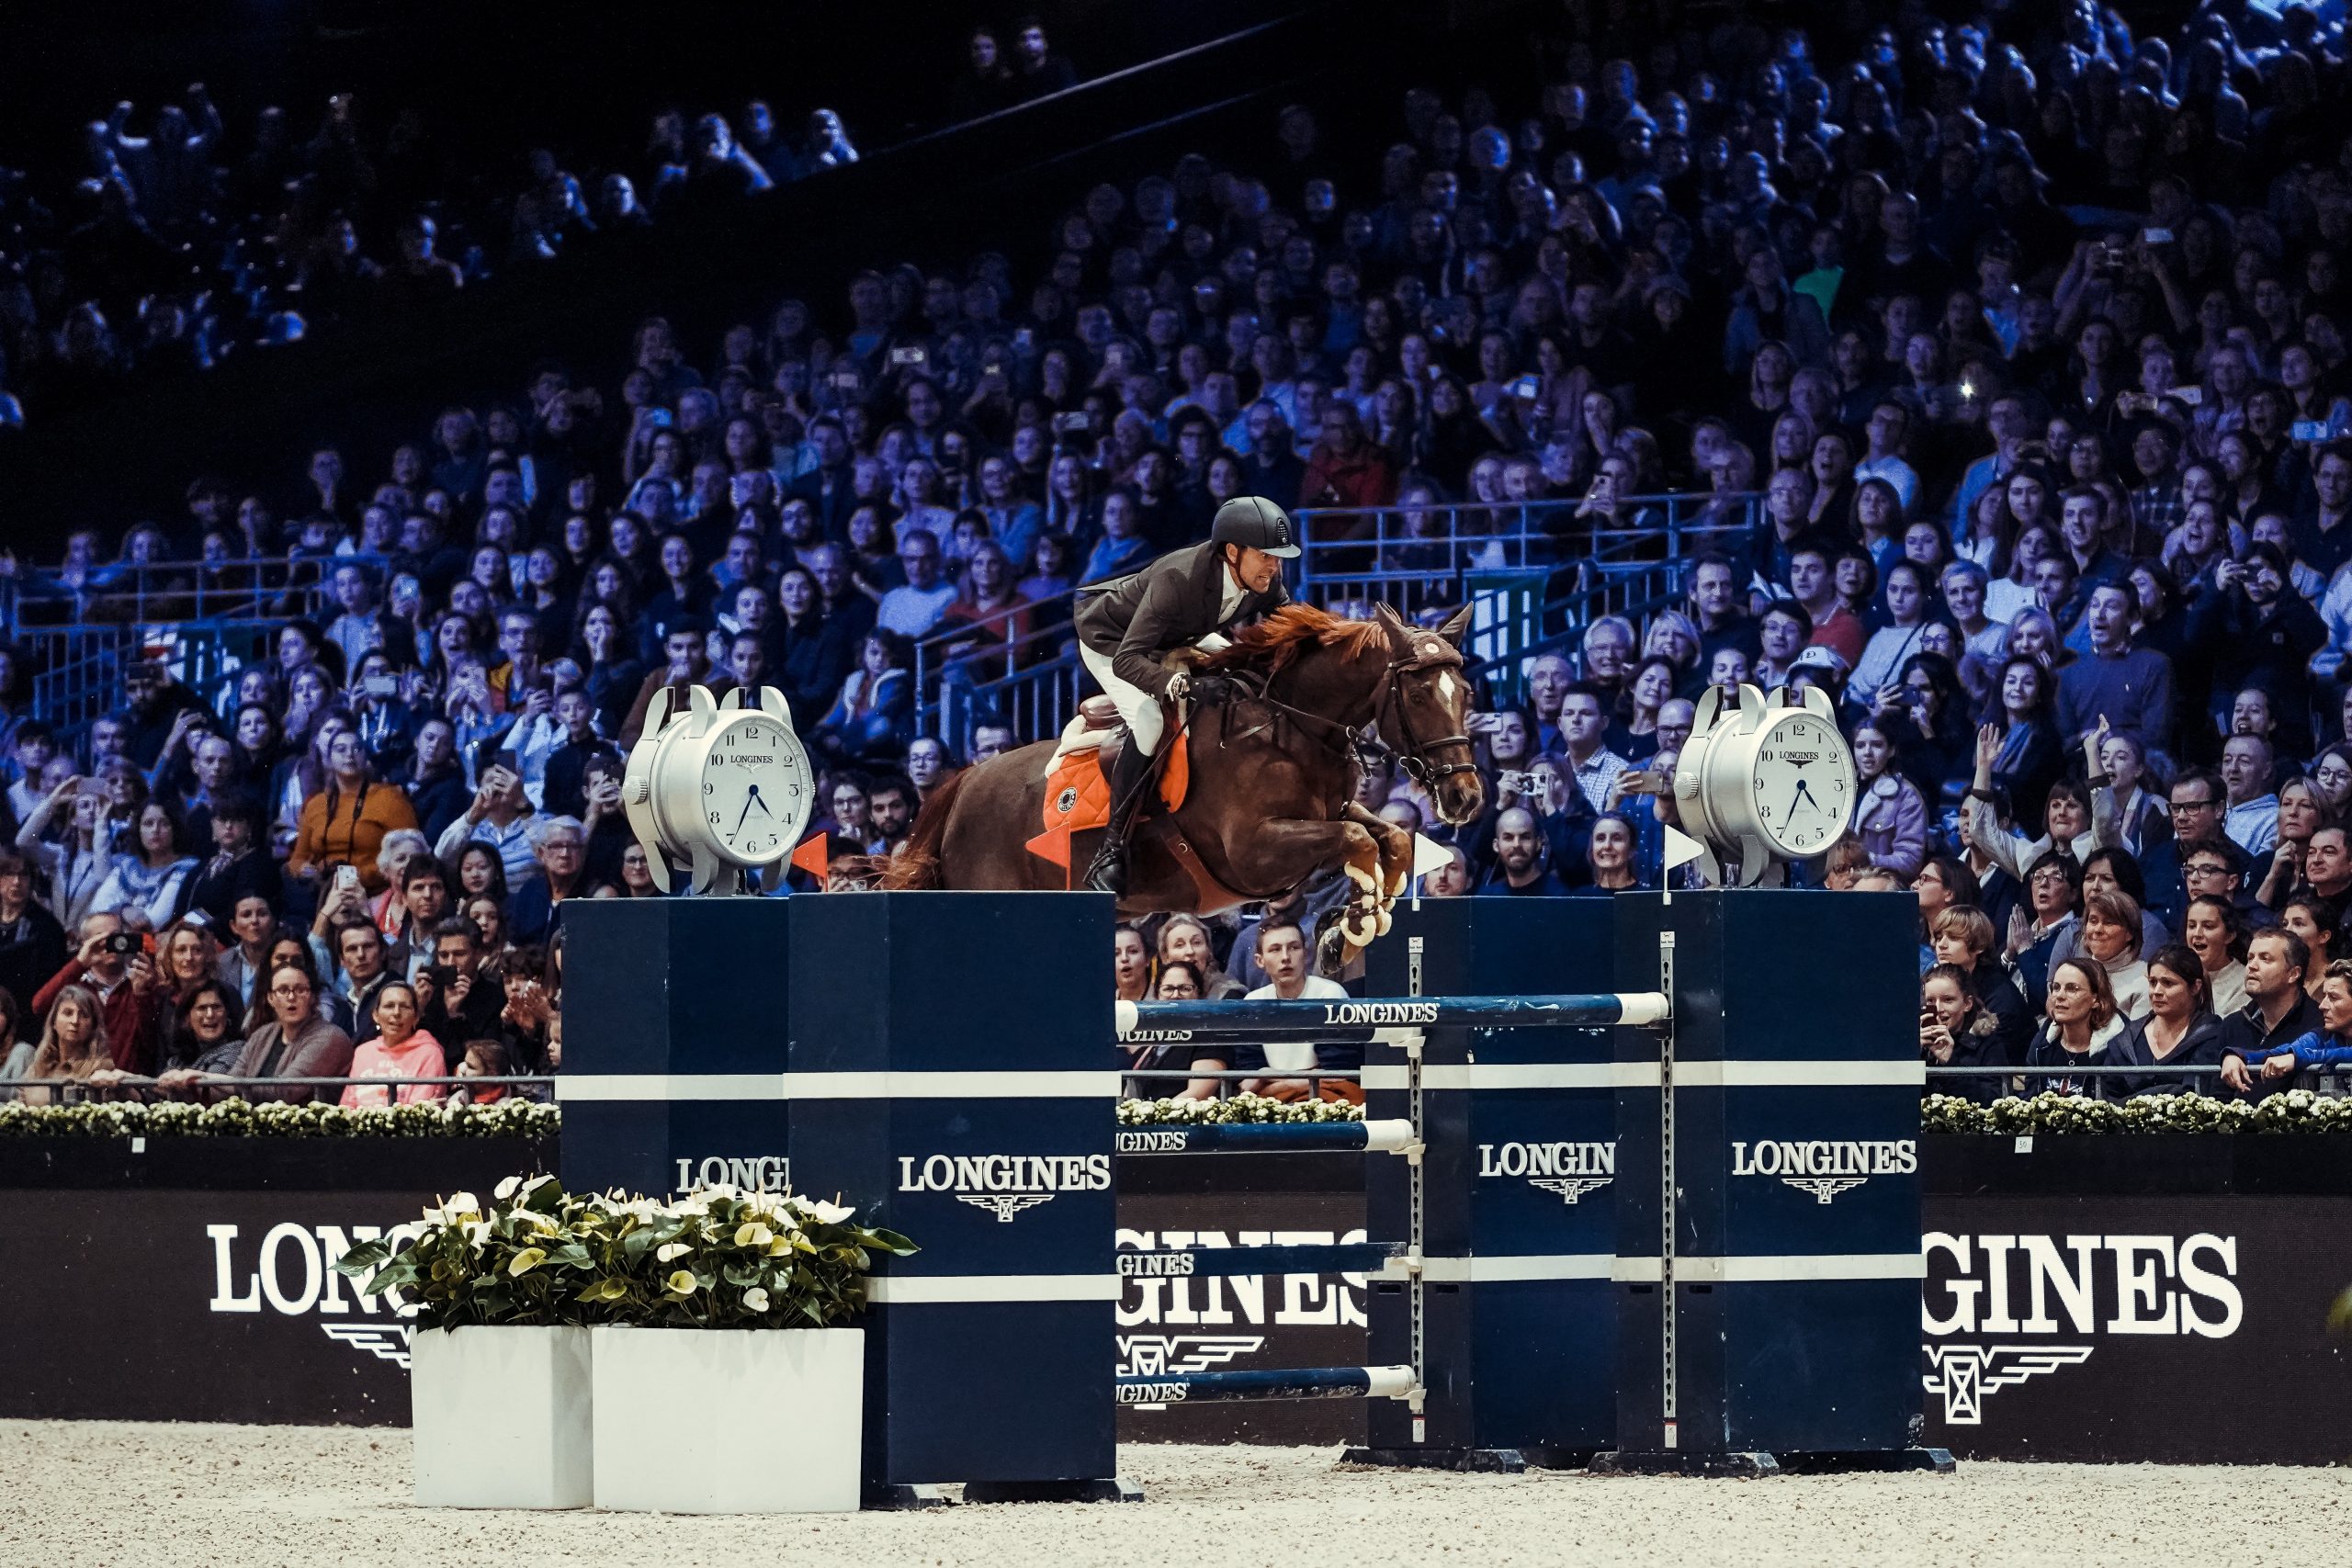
{"type": "Point", "coordinates": [924, 1289]}
{"type": "Point", "coordinates": [1636, 1271]}
{"type": "Point", "coordinates": [1517, 1075]}
{"type": "Point", "coordinates": [668, 1086]}
{"type": "Point", "coordinates": [1797, 1075]}
{"type": "Point", "coordinates": [1499, 1269]}
{"type": "Point", "coordinates": [1775, 1268]}
{"type": "Point", "coordinates": [1044, 1085]}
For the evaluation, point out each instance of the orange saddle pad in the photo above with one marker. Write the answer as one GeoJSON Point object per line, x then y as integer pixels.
{"type": "Point", "coordinates": [1077, 797]}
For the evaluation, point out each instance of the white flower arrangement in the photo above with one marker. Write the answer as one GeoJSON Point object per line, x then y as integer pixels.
{"type": "Point", "coordinates": [1237, 1108]}
{"type": "Point", "coordinates": [276, 1119]}
{"type": "Point", "coordinates": [539, 1256]}
{"type": "Point", "coordinates": [2297, 1110]}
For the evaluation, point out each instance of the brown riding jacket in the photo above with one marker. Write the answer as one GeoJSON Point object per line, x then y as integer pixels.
{"type": "Point", "coordinates": [1137, 619]}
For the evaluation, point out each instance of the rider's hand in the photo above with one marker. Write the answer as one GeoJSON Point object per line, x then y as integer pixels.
{"type": "Point", "coordinates": [1205, 690]}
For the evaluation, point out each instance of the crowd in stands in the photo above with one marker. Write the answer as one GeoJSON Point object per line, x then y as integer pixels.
{"type": "Point", "coordinates": [184, 237]}
{"type": "Point", "coordinates": [2031, 339]}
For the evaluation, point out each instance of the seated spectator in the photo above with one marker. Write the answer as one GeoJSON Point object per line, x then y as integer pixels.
{"type": "Point", "coordinates": [2080, 1022]}
{"type": "Point", "coordinates": [1889, 814]}
{"type": "Point", "coordinates": [152, 879]}
{"type": "Point", "coordinates": [208, 1036]}
{"type": "Point", "coordinates": [2329, 1045]}
{"type": "Point", "coordinates": [72, 1044]}
{"type": "Point", "coordinates": [1169, 1067]}
{"type": "Point", "coordinates": [485, 1059]}
{"type": "Point", "coordinates": [1281, 951]}
{"type": "Point", "coordinates": [115, 967]}
{"type": "Point", "coordinates": [913, 608]}
{"type": "Point", "coordinates": [1522, 854]}
{"type": "Point", "coordinates": [344, 823]}
{"type": "Point", "coordinates": [458, 1001]}
{"type": "Point", "coordinates": [400, 1049]}
{"type": "Point", "coordinates": [2110, 935]}
{"type": "Point", "coordinates": [499, 815]}
{"type": "Point", "coordinates": [2075, 821]}
{"type": "Point", "coordinates": [1609, 857]}
{"type": "Point", "coordinates": [1184, 939]}
{"type": "Point", "coordinates": [1956, 1030]}
{"type": "Point", "coordinates": [560, 844]}
{"type": "Point", "coordinates": [297, 1041]}
{"type": "Point", "coordinates": [876, 706]}
{"type": "Point", "coordinates": [2179, 1029]}
{"type": "Point", "coordinates": [32, 942]}
{"type": "Point", "coordinates": [2277, 1013]}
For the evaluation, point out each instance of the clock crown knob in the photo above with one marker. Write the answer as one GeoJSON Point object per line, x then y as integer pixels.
{"type": "Point", "coordinates": [641, 790]}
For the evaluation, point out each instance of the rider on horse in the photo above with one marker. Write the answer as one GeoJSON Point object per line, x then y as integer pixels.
{"type": "Point", "coordinates": [1128, 625]}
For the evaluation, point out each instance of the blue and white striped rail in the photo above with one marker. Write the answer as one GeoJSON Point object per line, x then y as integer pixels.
{"type": "Point", "coordinates": [1306, 1258]}
{"type": "Point", "coordinates": [1257, 1019]}
{"type": "Point", "coordinates": [1299, 1382]}
{"type": "Point", "coordinates": [1383, 1136]}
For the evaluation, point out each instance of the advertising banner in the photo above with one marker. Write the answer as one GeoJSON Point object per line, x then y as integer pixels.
{"type": "Point", "coordinates": [2184, 1327]}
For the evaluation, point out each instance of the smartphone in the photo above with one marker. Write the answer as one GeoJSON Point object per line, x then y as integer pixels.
{"type": "Point", "coordinates": [380, 685]}
{"type": "Point", "coordinates": [2310, 430]}
{"type": "Point", "coordinates": [1023, 338]}
{"type": "Point", "coordinates": [847, 380]}
{"type": "Point", "coordinates": [2155, 236]}
{"type": "Point", "coordinates": [1064, 424]}
{"type": "Point", "coordinates": [907, 357]}
{"type": "Point", "coordinates": [2192, 396]}
{"type": "Point", "coordinates": [346, 878]}
{"type": "Point", "coordinates": [1524, 389]}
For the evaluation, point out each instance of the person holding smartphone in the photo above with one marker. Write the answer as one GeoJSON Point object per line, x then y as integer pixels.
{"type": "Point", "coordinates": [499, 816]}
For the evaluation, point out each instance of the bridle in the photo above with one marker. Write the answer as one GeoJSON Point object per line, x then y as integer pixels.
{"type": "Point", "coordinates": [1415, 760]}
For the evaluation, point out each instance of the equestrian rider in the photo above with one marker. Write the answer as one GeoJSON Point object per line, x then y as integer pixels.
{"type": "Point", "coordinates": [1189, 597]}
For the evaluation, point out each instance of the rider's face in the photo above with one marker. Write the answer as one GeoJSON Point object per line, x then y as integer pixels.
{"type": "Point", "coordinates": [1256, 570]}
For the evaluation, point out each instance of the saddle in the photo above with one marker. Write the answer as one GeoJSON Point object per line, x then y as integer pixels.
{"type": "Point", "coordinates": [1078, 798]}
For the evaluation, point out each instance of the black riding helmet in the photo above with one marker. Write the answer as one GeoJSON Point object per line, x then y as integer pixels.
{"type": "Point", "coordinates": [1254, 521]}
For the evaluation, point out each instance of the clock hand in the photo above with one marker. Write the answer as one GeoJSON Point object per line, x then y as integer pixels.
{"type": "Point", "coordinates": [747, 809]}
{"type": "Point", "coordinates": [760, 801]}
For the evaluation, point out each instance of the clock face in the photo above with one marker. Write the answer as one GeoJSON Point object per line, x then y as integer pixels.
{"type": "Point", "coordinates": [1802, 784]}
{"type": "Point", "coordinates": [755, 793]}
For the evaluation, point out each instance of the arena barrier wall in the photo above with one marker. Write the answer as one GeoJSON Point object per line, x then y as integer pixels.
{"type": "Point", "coordinates": [175, 1282]}
{"type": "Point", "coordinates": [944, 1062]}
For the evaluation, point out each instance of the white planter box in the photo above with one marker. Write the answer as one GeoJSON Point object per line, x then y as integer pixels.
{"type": "Point", "coordinates": [501, 1418]}
{"type": "Point", "coordinates": [728, 1420]}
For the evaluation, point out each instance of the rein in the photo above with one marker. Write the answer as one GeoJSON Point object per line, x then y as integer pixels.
{"type": "Point", "coordinates": [1351, 739]}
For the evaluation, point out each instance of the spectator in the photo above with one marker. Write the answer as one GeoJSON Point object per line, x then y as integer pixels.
{"type": "Point", "coordinates": [1181, 980]}
{"type": "Point", "coordinates": [115, 966]}
{"type": "Point", "coordinates": [2179, 1029]}
{"type": "Point", "coordinates": [2110, 936]}
{"type": "Point", "coordinates": [2115, 686]}
{"type": "Point", "coordinates": [2081, 1021]}
{"type": "Point", "coordinates": [1888, 814]}
{"type": "Point", "coordinates": [296, 1042]}
{"type": "Point", "coordinates": [912, 609]}
{"type": "Point", "coordinates": [458, 1001]}
{"type": "Point", "coordinates": [2260, 1037]}
{"type": "Point", "coordinates": [399, 1049]}
{"type": "Point", "coordinates": [344, 824]}
{"type": "Point", "coordinates": [72, 1044]}
{"type": "Point", "coordinates": [1521, 858]}
{"type": "Point", "coordinates": [207, 1037]}
{"type": "Point", "coordinates": [1958, 1031]}
{"type": "Point", "coordinates": [1282, 952]}
{"type": "Point", "coordinates": [498, 815]}
{"type": "Point", "coordinates": [32, 941]}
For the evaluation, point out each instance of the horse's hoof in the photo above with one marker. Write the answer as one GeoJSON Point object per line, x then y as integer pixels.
{"type": "Point", "coordinates": [1382, 921]}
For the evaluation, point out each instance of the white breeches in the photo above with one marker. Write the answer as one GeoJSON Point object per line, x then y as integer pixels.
{"type": "Point", "coordinates": [1138, 710]}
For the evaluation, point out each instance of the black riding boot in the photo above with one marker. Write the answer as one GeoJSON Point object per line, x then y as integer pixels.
{"type": "Point", "coordinates": [1130, 778]}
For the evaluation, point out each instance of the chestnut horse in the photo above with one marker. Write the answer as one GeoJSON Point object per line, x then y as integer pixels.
{"type": "Point", "coordinates": [1273, 778]}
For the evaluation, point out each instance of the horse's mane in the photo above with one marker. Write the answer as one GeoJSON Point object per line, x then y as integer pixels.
{"type": "Point", "coordinates": [1274, 642]}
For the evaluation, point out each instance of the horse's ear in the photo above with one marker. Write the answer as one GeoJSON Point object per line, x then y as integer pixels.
{"type": "Point", "coordinates": [1456, 627]}
{"type": "Point", "coordinates": [1400, 635]}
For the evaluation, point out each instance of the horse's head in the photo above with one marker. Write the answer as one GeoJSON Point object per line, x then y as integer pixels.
{"type": "Point", "coordinates": [1423, 713]}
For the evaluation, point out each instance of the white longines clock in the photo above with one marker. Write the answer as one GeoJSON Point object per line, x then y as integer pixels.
{"type": "Point", "coordinates": [1764, 782]}
{"type": "Point", "coordinates": [724, 787]}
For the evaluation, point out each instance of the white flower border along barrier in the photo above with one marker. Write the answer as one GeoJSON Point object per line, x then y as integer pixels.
{"type": "Point", "coordinates": [277, 1118]}
{"type": "Point", "coordinates": [1240, 1108]}
{"type": "Point", "coordinates": [2297, 1110]}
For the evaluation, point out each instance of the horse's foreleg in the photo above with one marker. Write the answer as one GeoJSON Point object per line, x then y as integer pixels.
{"type": "Point", "coordinates": [1290, 850]}
{"type": "Point", "coordinates": [1395, 857]}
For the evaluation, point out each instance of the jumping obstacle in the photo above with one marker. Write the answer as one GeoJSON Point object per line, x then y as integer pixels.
{"type": "Point", "coordinates": [1583, 1261]}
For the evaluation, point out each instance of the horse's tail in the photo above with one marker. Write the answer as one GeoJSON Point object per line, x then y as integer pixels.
{"type": "Point", "coordinates": [916, 865]}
